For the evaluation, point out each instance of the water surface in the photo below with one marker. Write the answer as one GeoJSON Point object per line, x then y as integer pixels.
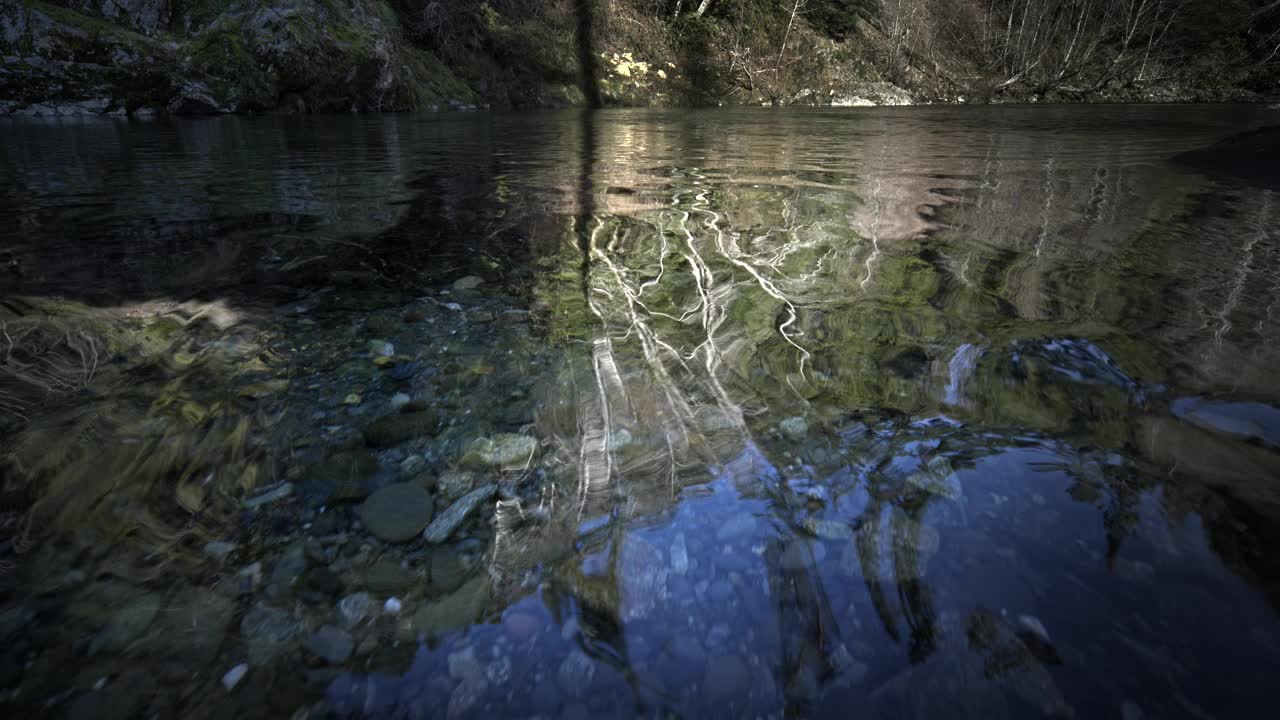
{"type": "Point", "coordinates": [964, 412]}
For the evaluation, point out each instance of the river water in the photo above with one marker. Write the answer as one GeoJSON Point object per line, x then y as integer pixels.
{"type": "Point", "coordinates": [930, 412]}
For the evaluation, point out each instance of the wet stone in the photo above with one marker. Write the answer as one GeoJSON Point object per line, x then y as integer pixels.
{"type": "Point", "coordinates": [726, 678]}
{"type": "Point", "coordinates": [450, 520]}
{"type": "Point", "coordinates": [501, 452]}
{"type": "Point", "coordinates": [718, 635]}
{"type": "Point", "coordinates": [233, 676]}
{"type": "Point", "coordinates": [269, 633]}
{"type": "Point", "coordinates": [126, 625]}
{"type": "Point", "coordinates": [735, 558]}
{"type": "Point", "coordinates": [739, 525]}
{"type": "Point", "coordinates": [720, 590]}
{"type": "Point", "coordinates": [412, 465]}
{"type": "Point", "coordinates": [403, 427]}
{"type": "Point", "coordinates": [522, 625]}
{"type": "Point", "coordinates": [453, 484]}
{"type": "Point", "coordinates": [219, 550]}
{"type": "Point", "coordinates": [447, 569]}
{"type": "Point", "coordinates": [575, 673]}
{"type": "Point", "coordinates": [192, 627]}
{"type": "Point", "coordinates": [287, 570]}
{"type": "Point", "coordinates": [346, 466]}
{"type": "Point", "coordinates": [468, 282]}
{"type": "Point", "coordinates": [332, 644]}
{"type": "Point", "coordinates": [279, 492]}
{"type": "Point", "coordinates": [398, 512]}
{"type": "Point", "coordinates": [455, 611]}
{"type": "Point", "coordinates": [125, 697]}
{"type": "Point", "coordinates": [938, 479]}
{"type": "Point", "coordinates": [795, 428]}
{"type": "Point", "coordinates": [463, 664]}
{"type": "Point", "coordinates": [322, 581]}
{"type": "Point", "coordinates": [1243, 420]}
{"type": "Point", "coordinates": [386, 576]}
{"type": "Point", "coordinates": [354, 608]}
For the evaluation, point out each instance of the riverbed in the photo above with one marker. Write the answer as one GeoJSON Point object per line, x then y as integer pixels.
{"type": "Point", "coordinates": [927, 412]}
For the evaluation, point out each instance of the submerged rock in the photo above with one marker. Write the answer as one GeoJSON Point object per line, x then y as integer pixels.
{"type": "Point", "coordinates": [219, 550]}
{"type": "Point", "coordinates": [279, 492]}
{"type": "Point", "coordinates": [269, 633]}
{"type": "Point", "coordinates": [794, 427]}
{"type": "Point", "coordinates": [456, 483]}
{"type": "Point", "coordinates": [1243, 420]}
{"type": "Point", "coordinates": [1077, 359]}
{"type": "Point", "coordinates": [501, 452]}
{"type": "Point", "coordinates": [346, 466]}
{"type": "Point", "coordinates": [449, 520]}
{"type": "Point", "coordinates": [126, 625]}
{"type": "Point", "coordinates": [743, 523]}
{"type": "Point", "coordinates": [937, 478]}
{"type": "Point", "coordinates": [354, 608]}
{"type": "Point", "coordinates": [386, 576]}
{"type": "Point", "coordinates": [576, 673]}
{"type": "Point", "coordinates": [191, 629]}
{"type": "Point", "coordinates": [447, 569]}
{"type": "Point", "coordinates": [291, 565]}
{"type": "Point", "coordinates": [455, 611]}
{"type": "Point", "coordinates": [122, 698]}
{"type": "Point", "coordinates": [234, 676]}
{"type": "Point", "coordinates": [331, 643]}
{"type": "Point", "coordinates": [403, 427]}
{"type": "Point", "coordinates": [727, 678]}
{"type": "Point", "coordinates": [469, 282]}
{"type": "Point", "coordinates": [398, 512]}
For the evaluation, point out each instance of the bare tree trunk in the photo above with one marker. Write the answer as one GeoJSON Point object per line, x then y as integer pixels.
{"type": "Point", "coordinates": [785, 35]}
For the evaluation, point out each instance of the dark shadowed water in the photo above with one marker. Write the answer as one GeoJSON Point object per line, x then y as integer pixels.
{"type": "Point", "coordinates": [886, 413]}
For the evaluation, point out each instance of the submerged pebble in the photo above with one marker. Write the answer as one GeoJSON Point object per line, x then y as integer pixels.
{"type": "Point", "coordinates": [794, 427]}
{"type": "Point", "coordinates": [443, 526]}
{"type": "Point", "coordinates": [234, 676]}
{"type": "Point", "coordinates": [331, 643]}
{"type": "Point", "coordinates": [398, 512]}
{"type": "Point", "coordinates": [279, 492]}
{"type": "Point", "coordinates": [354, 608]}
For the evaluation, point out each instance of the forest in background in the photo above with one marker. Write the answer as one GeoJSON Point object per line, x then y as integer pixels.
{"type": "Point", "coordinates": [214, 56]}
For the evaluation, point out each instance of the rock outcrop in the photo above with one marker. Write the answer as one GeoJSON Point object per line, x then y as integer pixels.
{"type": "Point", "coordinates": [88, 57]}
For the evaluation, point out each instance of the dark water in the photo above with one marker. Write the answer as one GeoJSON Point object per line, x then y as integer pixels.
{"type": "Point", "coordinates": [926, 413]}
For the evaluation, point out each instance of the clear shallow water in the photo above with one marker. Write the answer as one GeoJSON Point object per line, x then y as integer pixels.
{"type": "Point", "coordinates": [930, 412]}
